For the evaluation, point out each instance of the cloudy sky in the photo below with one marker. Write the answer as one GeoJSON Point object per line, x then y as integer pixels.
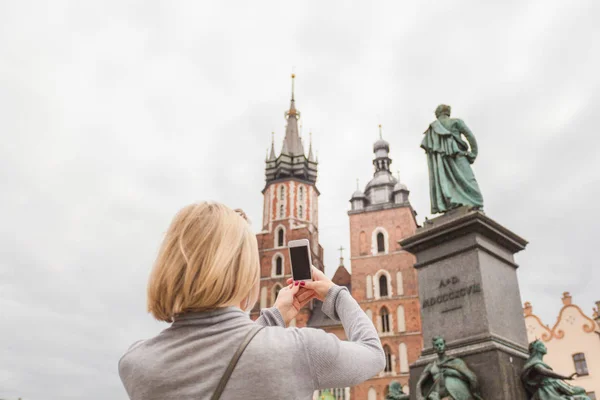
{"type": "Point", "coordinates": [114, 114]}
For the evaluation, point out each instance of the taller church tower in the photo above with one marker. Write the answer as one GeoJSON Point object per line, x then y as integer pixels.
{"type": "Point", "coordinates": [290, 212]}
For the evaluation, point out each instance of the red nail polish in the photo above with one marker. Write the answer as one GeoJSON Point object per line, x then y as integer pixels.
{"type": "Point", "coordinates": [302, 283]}
{"type": "Point", "coordinates": [296, 283]}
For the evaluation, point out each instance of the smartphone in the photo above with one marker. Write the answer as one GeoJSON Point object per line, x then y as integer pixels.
{"type": "Point", "coordinates": [300, 259]}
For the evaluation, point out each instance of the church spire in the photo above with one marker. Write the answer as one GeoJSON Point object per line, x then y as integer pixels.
{"type": "Point", "coordinates": [292, 162]}
{"type": "Point", "coordinates": [292, 144]}
{"type": "Point", "coordinates": [272, 155]}
{"type": "Point", "coordinates": [310, 152]}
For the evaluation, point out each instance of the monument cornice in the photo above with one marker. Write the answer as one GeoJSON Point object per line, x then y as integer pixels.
{"type": "Point", "coordinates": [438, 230]}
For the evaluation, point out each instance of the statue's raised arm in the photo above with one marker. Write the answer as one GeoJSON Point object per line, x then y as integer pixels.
{"type": "Point", "coordinates": [452, 183]}
{"type": "Point", "coordinates": [542, 383]}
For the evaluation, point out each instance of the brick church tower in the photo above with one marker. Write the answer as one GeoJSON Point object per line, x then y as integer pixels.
{"type": "Point", "coordinates": [384, 280]}
{"type": "Point", "coordinates": [290, 212]}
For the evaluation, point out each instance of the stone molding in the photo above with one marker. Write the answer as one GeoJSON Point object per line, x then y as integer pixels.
{"type": "Point", "coordinates": [440, 229]}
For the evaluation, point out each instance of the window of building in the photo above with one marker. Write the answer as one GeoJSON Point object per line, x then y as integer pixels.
{"type": "Point", "coordinates": [380, 243]}
{"type": "Point", "coordinates": [279, 266]}
{"type": "Point", "coordinates": [383, 286]}
{"type": "Point", "coordinates": [280, 238]}
{"type": "Point", "coordinates": [281, 211]}
{"type": "Point", "coordinates": [362, 243]}
{"type": "Point", "coordinates": [301, 193]}
{"type": "Point", "coordinates": [580, 364]}
{"type": "Point", "coordinates": [388, 358]}
{"type": "Point", "coordinates": [385, 320]}
{"type": "Point", "coordinates": [263, 297]}
{"type": "Point", "coordinates": [403, 358]}
{"type": "Point", "coordinates": [275, 292]}
{"type": "Point", "coordinates": [399, 283]}
{"type": "Point", "coordinates": [300, 215]}
{"type": "Point", "coordinates": [282, 193]}
{"type": "Point", "coordinates": [372, 394]}
{"type": "Point", "coordinates": [401, 319]}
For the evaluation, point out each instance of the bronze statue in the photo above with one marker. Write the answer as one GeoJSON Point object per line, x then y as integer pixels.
{"type": "Point", "coordinates": [447, 378]}
{"type": "Point", "coordinates": [451, 180]}
{"type": "Point", "coordinates": [395, 392]}
{"type": "Point", "coordinates": [542, 383]}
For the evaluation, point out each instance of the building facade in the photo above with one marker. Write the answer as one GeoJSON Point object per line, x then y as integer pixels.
{"type": "Point", "coordinates": [383, 278]}
{"type": "Point", "coordinates": [573, 343]}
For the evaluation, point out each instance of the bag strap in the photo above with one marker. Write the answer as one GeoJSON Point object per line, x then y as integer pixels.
{"type": "Point", "coordinates": [234, 360]}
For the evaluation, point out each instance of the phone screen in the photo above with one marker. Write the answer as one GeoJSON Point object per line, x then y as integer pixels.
{"type": "Point", "coordinates": [300, 264]}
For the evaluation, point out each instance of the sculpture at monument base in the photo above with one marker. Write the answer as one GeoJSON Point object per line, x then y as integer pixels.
{"type": "Point", "coordinates": [447, 378]}
{"type": "Point", "coordinates": [451, 180]}
{"type": "Point", "coordinates": [395, 392]}
{"type": "Point", "coordinates": [542, 383]}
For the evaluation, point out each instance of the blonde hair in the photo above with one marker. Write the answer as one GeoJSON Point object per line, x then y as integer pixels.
{"type": "Point", "coordinates": [208, 259]}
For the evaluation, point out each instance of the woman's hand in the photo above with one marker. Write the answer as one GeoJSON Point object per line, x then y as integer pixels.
{"type": "Point", "coordinates": [320, 284]}
{"type": "Point", "coordinates": [291, 299]}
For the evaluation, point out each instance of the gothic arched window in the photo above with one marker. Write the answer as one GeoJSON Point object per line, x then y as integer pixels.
{"type": "Point", "coordinates": [279, 266]}
{"type": "Point", "coordinates": [281, 211]}
{"type": "Point", "coordinates": [383, 286]}
{"type": "Point", "coordinates": [300, 215]}
{"type": "Point", "coordinates": [301, 193]}
{"type": "Point", "coordinates": [282, 192]}
{"type": "Point", "coordinates": [380, 243]}
{"type": "Point", "coordinates": [280, 238]}
{"type": "Point", "coordinates": [388, 358]}
{"type": "Point", "coordinates": [385, 319]}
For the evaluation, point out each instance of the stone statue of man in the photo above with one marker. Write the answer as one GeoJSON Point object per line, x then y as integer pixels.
{"type": "Point", "coordinates": [447, 378]}
{"type": "Point", "coordinates": [451, 180]}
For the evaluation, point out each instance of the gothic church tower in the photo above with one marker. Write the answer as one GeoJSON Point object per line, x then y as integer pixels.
{"type": "Point", "coordinates": [290, 212]}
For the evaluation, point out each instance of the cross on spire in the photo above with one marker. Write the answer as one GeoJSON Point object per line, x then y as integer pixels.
{"type": "Point", "coordinates": [341, 249]}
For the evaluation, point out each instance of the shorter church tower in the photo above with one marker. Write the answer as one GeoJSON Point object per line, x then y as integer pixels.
{"type": "Point", "coordinates": [384, 280]}
{"type": "Point", "coordinates": [290, 212]}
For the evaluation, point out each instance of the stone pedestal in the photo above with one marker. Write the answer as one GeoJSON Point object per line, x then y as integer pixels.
{"type": "Point", "coordinates": [469, 294]}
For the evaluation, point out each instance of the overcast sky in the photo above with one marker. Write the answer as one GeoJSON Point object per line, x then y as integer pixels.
{"type": "Point", "coordinates": [115, 114]}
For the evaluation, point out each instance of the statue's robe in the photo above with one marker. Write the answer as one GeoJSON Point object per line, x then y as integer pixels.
{"type": "Point", "coordinates": [452, 376]}
{"type": "Point", "coordinates": [541, 387]}
{"type": "Point", "coordinates": [451, 180]}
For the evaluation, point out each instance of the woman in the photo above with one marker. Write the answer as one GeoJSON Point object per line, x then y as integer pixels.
{"type": "Point", "coordinates": [205, 280]}
{"type": "Point", "coordinates": [544, 384]}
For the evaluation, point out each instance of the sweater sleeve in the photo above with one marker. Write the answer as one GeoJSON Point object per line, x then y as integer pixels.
{"type": "Point", "coordinates": [270, 317]}
{"type": "Point", "coordinates": [337, 363]}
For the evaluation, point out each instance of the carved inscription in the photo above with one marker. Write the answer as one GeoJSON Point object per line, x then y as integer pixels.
{"type": "Point", "coordinates": [455, 293]}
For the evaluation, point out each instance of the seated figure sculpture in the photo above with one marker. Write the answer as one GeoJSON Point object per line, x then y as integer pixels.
{"type": "Point", "coordinates": [542, 383]}
{"type": "Point", "coordinates": [447, 378]}
{"type": "Point", "coordinates": [395, 392]}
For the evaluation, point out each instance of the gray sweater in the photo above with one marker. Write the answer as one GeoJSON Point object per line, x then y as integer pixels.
{"type": "Point", "coordinates": [187, 360]}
